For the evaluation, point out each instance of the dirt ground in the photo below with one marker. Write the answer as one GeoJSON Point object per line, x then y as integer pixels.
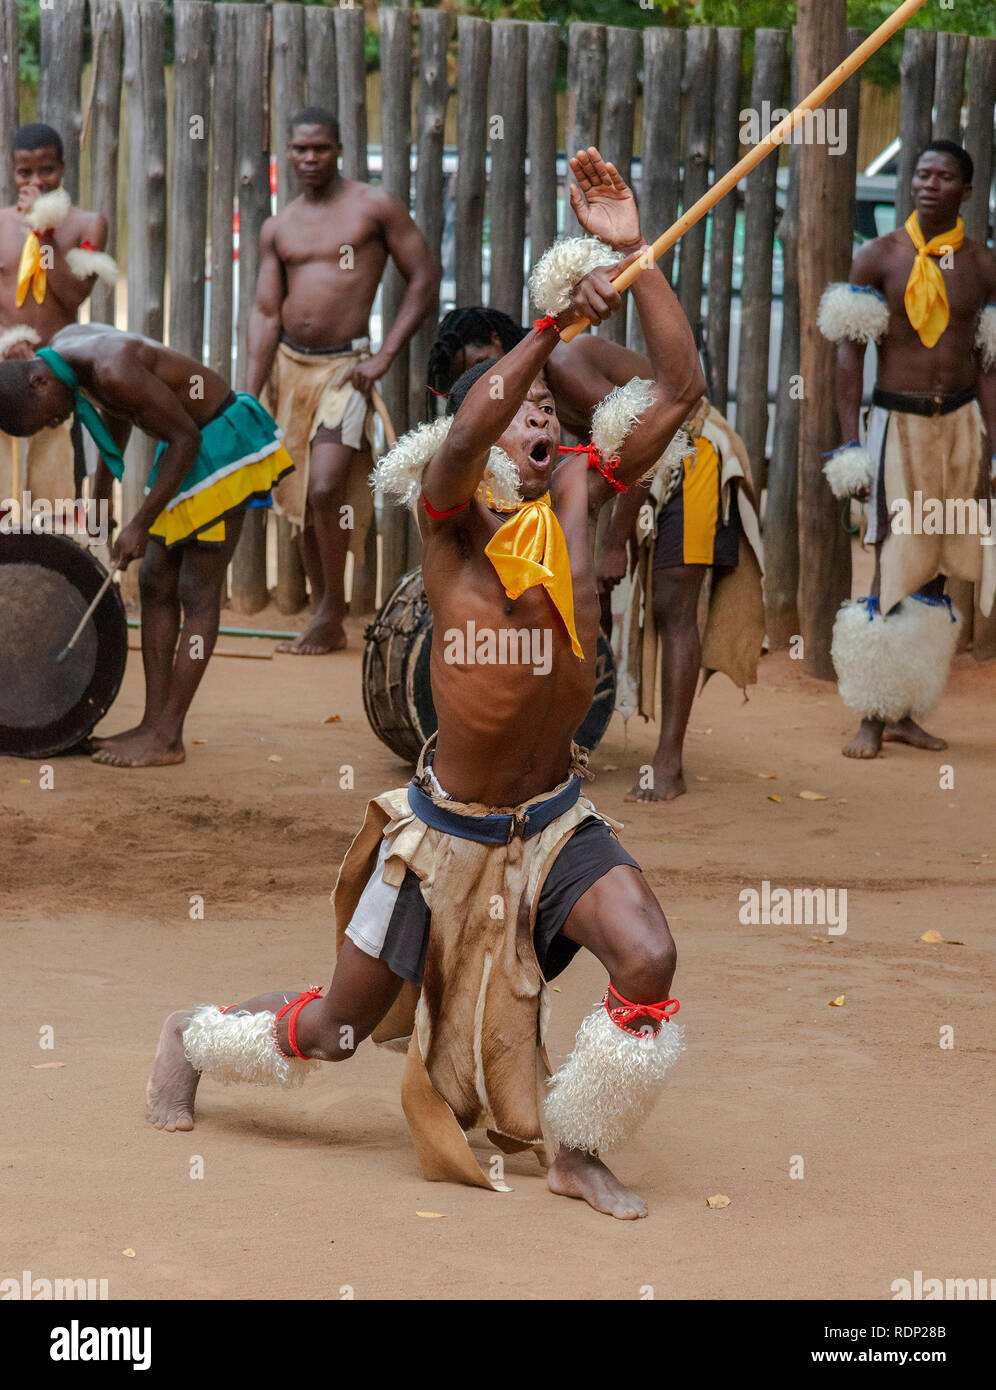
{"type": "Point", "coordinates": [316, 1194]}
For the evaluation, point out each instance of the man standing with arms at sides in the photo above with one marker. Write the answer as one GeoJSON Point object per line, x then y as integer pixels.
{"type": "Point", "coordinates": [51, 255]}
{"type": "Point", "coordinates": [926, 295]}
{"type": "Point", "coordinates": [320, 262]}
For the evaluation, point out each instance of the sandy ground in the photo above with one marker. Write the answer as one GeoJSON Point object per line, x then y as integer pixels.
{"type": "Point", "coordinates": [316, 1194]}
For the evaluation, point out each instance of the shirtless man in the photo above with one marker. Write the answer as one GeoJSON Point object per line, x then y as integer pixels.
{"type": "Point", "coordinates": [504, 742]}
{"type": "Point", "coordinates": [185, 541]}
{"type": "Point", "coordinates": [714, 489]}
{"type": "Point", "coordinates": [320, 262]}
{"type": "Point", "coordinates": [41, 293]}
{"type": "Point", "coordinates": [921, 293]}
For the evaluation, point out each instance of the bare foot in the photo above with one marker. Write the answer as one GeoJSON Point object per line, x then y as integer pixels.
{"type": "Point", "coordinates": [323, 635]}
{"type": "Point", "coordinates": [109, 740]}
{"type": "Point", "coordinates": [867, 741]}
{"type": "Point", "coordinates": [139, 748]}
{"type": "Point", "coordinates": [169, 1094]}
{"type": "Point", "coordinates": [578, 1174]}
{"type": "Point", "coordinates": [666, 786]}
{"type": "Point", "coordinates": [908, 732]}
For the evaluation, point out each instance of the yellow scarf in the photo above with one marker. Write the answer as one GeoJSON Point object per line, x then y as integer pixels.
{"type": "Point", "coordinates": [31, 271]}
{"type": "Point", "coordinates": [530, 549]}
{"type": "Point", "coordinates": [926, 298]}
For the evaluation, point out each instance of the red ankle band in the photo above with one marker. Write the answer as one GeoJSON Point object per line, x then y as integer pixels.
{"type": "Point", "coordinates": [624, 1016]}
{"type": "Point", "coordinates": [295, 1006]}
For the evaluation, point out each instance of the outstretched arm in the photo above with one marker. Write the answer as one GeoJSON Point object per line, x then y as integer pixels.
{"type": "Point", "coordinates": [606, 208]}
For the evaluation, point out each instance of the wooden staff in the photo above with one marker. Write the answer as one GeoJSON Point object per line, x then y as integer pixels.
{"type": "Point", "coordinates": [772, 141]}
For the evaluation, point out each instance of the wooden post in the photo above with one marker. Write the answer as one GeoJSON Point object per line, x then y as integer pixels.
{"type": "Point", "coordinates": [60, 63]}
{"type": "Point", "coordinates": [145, 85]}
{"type": "Point", "coordinates": [290, 594]}
{"type": "Point", "coordinates": [104, 138]}
{"type": "Point", "coordinates": [433, 94]}
{"type": "Point", "coordinates": [759, 238]}
{"type": "Point", "coordinates": [351, 74]}
{"type": "Point", "coordinates": [622, 49]}
{"type": "Point", "coordinates": [9, 29]}
{"type": "Point", "coordinates": [781, 519]}
{"type": "Point", "coordinates": [541, 136]}
{"type": "Point", "coordinates": [949, 85]}
{"type": "Point", "coordinates": [824, 256]}
{"type": "Point", "coordinates": [698, 94]}
{"type": "Point", "coordinates": [979, 143]}
{"type": "Point", "coordinates": [223, 126]}
{"type": "Point", "coordinates": [252, 97]}
{"type": "Point", "coordinates": [724, 217]}
{"type": "Point", "coordinates": [192, 26]}
{"type": "Point", "coordinates": [585, 83]}
{"type": "Point", "coordinates": [660, 183]}
{"type": "Point", "coordinates": [396, 143]}
{"type": "Point", "coordinates": [319, 37]}
{"type": "Point", "coordinates": [916, 96]}
{"type": "Point", "coordinates": [473, 64]}
{"type": "Point", "coordinates": [509, 44]}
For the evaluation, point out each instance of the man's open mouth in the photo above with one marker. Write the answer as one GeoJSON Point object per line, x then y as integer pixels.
{"type": "Point", "coordinates": [539, 454]}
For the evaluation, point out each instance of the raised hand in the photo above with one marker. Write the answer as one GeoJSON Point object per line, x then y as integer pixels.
{"type": "Point", "coordinates": [603, 202]}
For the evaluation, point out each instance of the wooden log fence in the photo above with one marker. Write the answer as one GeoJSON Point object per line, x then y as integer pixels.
{"type": "Point", "coordinates": [239, 73]}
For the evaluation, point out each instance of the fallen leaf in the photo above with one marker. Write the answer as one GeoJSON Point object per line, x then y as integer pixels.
{"type": "Point", "coordinates": [610, 767]}
{"type": "Point", "coordinates": [824, 939]}
{"type": "Point", "coordinates": [842, 801]}
{"type": "Point", "coordinates": [46, 1066]}
{"type": "Point", "coordinates": [274, 758]}
{"type": "Point", "coordinates": [811, 796]}
{"type": "Point", "coordinates": [332, 719]}
{"type": "Point", "coordinates": [24, 781]}
{"type": "Point", "coordinates": [430, 1213]}
{"type": "Point", "coordinates": [702, 779]}
{"type": "Point", "coordinates": [954, 943]}
{"type": "Point", "coordinates": [556, 989]}
{"type": "Point", "coordinates": [718, 1202]}
{"type": "Point", "coordinates": [129, 1252]}
{"type": "Point", "coordinates": [836, 1003]}
{"type": "Point", "coordinates": [198, 740]}
{"type": "Point", "coordinates": [933, 936]}
{"type": "Point", "coordinates": [775, 798]}
{"type": "Point", "coordinates": [769, 776]}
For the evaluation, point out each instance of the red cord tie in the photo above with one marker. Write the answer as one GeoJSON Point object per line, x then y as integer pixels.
{"type": "Point", "coordinates": [295, 1006]}
{"type": "Point", "coordinates": [444, 394]}
{"type": "Point", "coordinates": [449, 512]}
{"type": "Point", "coordinates": [547, 321]}
{"type": "Point", "coordinates": [606, 467]}
{"type": "Point", "coordinates": [623, 1017]}
{"type": "Point", "coordinates": [86, 245]}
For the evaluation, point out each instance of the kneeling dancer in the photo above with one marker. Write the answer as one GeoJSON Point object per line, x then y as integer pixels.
{"type": "Point", "coordinates": [493, 841]}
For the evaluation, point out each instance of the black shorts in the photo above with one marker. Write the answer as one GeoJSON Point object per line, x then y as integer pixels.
{"type": "Point", "coordinates": [588, 855]}
{"type": "Point", "coordinates": [690, 525]}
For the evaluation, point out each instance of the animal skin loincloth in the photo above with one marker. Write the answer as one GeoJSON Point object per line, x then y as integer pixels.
{"type": "Point", "coordinates": [476, 1057]}
{"type": "Point", "coordinates": [306, 392]}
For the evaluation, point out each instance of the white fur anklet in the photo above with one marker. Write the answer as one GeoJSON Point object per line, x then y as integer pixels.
{"type": "Point", "coordinates": [609, 1083]}
{"type": "Point", "coordinates": [890, 667]}
{"type": "Point", "coordinates": [240, 1047]}
{"type": "Point", "coordinates": [985, 339]}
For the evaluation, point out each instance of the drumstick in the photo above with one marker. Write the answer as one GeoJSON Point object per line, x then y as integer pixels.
{"type": "Point", "coordinates": [772, 141]}
{"type": "Point", "coordinates": [87, 615]}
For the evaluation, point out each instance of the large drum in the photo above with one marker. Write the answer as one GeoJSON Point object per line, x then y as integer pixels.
{"type": "Point", "coordinates": [47, 582]}
{"type": "Point", "coordinates": [397, 695]}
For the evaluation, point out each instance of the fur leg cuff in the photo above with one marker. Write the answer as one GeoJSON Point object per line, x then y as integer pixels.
{"type": "Point", "coordinates": [849, 471]}
{"type": "Point", "coordinates": [609, 1083]}
{"type": "Point", "coordinates": [84, 262]}
{"type": "Point", "coordinates": [240, 1047]}
{"type": "Point", "coordinates": [985, 339]}
{"type": "Point", "coordinates": [857, 312]}
{"type": "Point", "coordinates": [560, 268]}
{"type": "Point", "coordinates": [20, 333]}
{"type": "Point", "coordinates": [890, 667]}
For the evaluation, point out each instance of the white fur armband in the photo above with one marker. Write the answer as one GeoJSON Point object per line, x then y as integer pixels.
{"type": "Point", "coordinates": [616, 415]}
{"type": "Point", "coordinates": [561, 267]}
{"type": "Point", "coordinates": [985, 339]}
{"type": "Point", "coordinates": [49, 211]}
{"type": "Point", "coordinates": [240, 1047]}
{"type": "Point", "coordinates": [399, 473]}
{"type": "Point", "coordinates": [849, 471]}
{"type": "Point", "coordinates": [609, 1083]}
{"type": "Point", "coordinates": [855, 312]}
{"type": "Point", "coordinates": [84, 263]}
{"type": "Point", "coordinates": [20, 333]}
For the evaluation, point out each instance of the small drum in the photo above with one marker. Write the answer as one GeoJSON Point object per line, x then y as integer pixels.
{"type": "Point", "coordinates": [47, 582]}
{"type": "Point", "coordinates": [397, 695]}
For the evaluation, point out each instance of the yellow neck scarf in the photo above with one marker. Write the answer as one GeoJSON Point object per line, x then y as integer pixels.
{"type": "Point", "coordinates": [926, 298]}
{"type": "Point", "coordinates": [31, 271]}
{"type": "Point", "coordinates": [530, 549]}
